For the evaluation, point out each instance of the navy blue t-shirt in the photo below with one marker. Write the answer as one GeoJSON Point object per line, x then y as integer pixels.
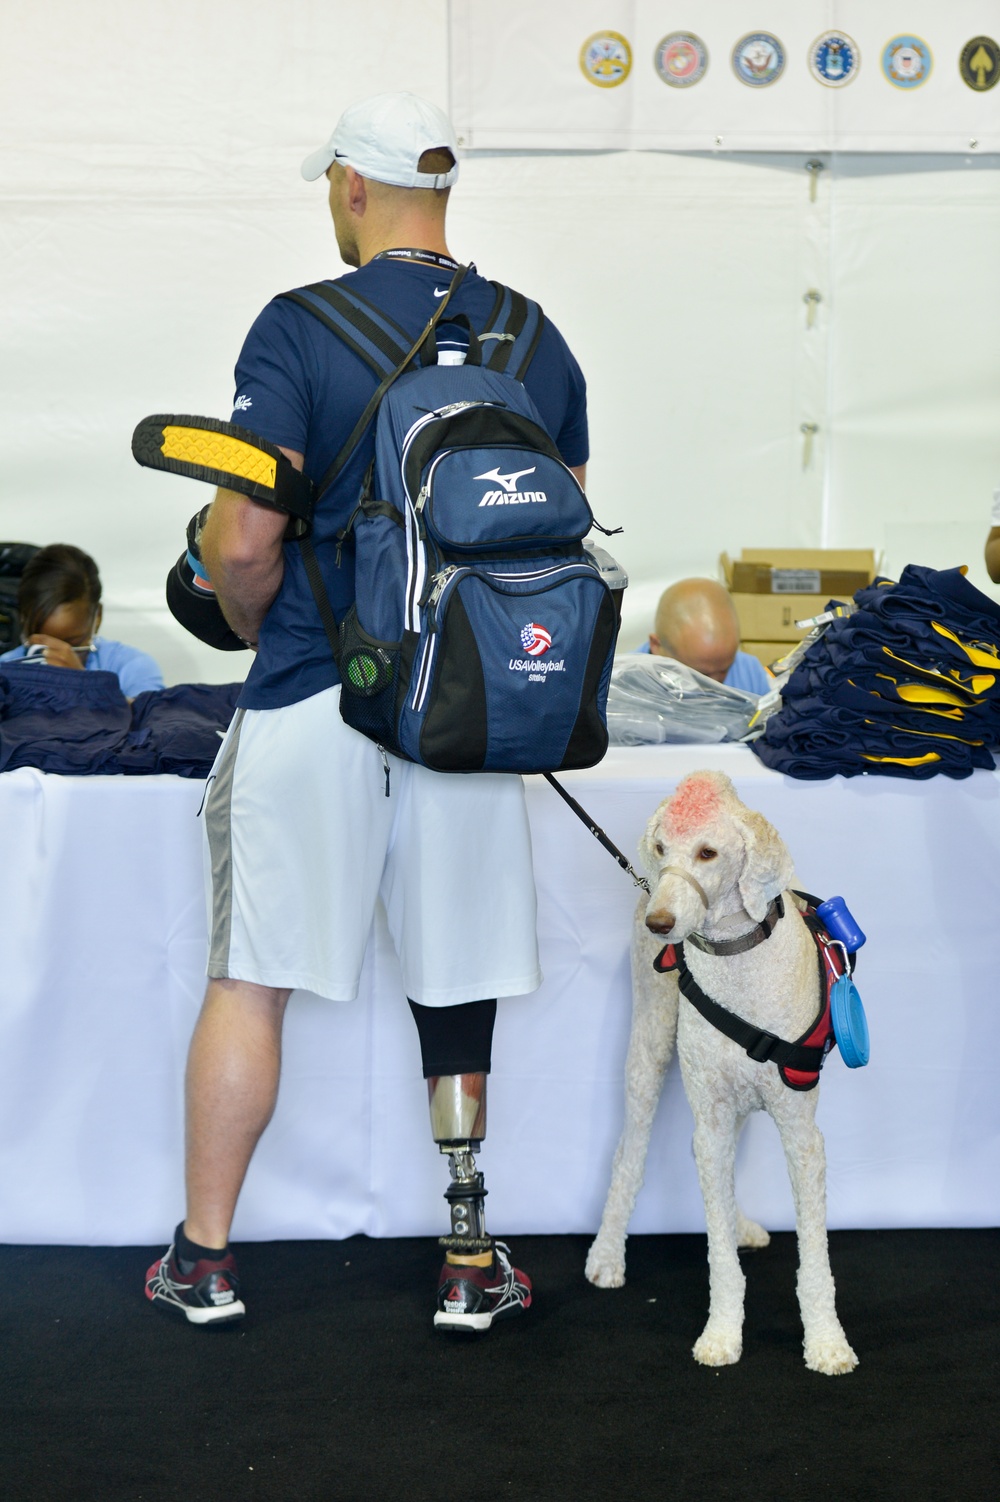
{"type": "Point", "coordinates": [300, 386]}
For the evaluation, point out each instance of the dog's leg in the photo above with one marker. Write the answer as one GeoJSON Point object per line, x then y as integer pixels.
{"type": "Point", "coordinates": [651, 1045]}
{"type": "Point", "coordinates": [749, 1235]}
{"type": "Point", "coordinates": [715, 1131]}
{"type": "Point", "coordinates": [826, 1346]}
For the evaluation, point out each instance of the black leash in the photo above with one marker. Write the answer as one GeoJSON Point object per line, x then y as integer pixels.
{"type": "Point", "coordinates": [598, 833]}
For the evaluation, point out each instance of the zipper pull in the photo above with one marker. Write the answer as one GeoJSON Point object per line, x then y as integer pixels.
{"type": "Point", "coordinates": [385, 767]}
{"type": "Point", "coordinates": [440, 580]}
{"type": "Point", "coordinates": [421, 500]}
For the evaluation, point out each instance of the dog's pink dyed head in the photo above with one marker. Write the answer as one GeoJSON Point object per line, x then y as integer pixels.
{"type": "Point", "coordinates": [694, 806]}
{"type": "Point", "coordinates": [706, 832]}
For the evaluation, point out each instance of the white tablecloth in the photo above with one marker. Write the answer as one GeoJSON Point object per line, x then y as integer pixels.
{"type": "Point", "coordinates": [103, 948]}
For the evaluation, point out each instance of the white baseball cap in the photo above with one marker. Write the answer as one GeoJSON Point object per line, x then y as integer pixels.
{"type": "Point", "coordinates": [384, 137]}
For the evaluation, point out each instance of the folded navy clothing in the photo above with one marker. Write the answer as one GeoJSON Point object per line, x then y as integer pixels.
{"type": "Point", "coordinates": [59, 720]}
{"type": "Point", "coordinates": [916, 706]}
{"type": "Point", "coordinates": [816, 763]}
{"type": "Point", "coordinates": [934, 594]}
{"type": "Point", "coordinates": [911, 639]}
{"type": "Point", "coordinates": [185, 724]}
{"type": "Point", "coordinates": [81, 723]}
{"type": "Point", "coordinates": [906, 686]}
{"type": "Point", "coordinates": [821, 746]}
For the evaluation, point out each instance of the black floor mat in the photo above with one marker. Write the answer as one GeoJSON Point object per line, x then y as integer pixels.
{"type": "Point", "coordinates": [336, 1387]}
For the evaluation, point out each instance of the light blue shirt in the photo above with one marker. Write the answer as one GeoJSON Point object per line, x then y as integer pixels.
{"type": "Point", "coordinates": [136, 671]}
{"type": "Point", "coordinates": [746, 673]}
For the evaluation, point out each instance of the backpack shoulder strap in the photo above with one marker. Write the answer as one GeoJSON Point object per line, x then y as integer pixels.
{"type": "Point", "coordinates": [516, 324]}
{"type": "Point", "coordinates": [374, 343]}
{"type": "Point", "coordinates": [386, 358]}
{"type": "Point", "coordinates": [363, 329]}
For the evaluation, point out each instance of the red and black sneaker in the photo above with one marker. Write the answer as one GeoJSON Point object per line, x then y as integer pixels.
{"type": "Point", "coordinates": [207, 1295]}
{"type": "Point", "coordinates": [471, 1298]}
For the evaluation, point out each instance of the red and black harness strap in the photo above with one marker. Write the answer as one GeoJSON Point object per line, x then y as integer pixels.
{"type": "Point", "coordinates": [799, 1062]}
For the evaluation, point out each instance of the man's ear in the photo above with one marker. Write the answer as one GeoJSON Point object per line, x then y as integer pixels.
{"type": "Point", "coordinates": [654, 646]}
{"type": "Point", "coordinates": [357, 191]}
{"type": "Point", "coordinates": [98, 618]}
{"type": "Point", "coordinates": [767, 865]}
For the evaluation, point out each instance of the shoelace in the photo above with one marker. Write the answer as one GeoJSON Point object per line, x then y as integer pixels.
{"type": "Point", "coordinates": [501, 1249]}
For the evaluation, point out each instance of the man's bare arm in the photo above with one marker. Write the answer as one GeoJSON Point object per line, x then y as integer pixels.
{"type": "Point", "coordinates": [242, 549]}
{"type": "Point", "coordinates": [992, 554]}
{"type": "Point", "coordinates": [580, 470]}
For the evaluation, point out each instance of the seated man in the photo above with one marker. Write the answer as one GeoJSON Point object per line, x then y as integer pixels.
{"type": "Point", "coordinates": [59, 608]}
{"type": "Point", "coordinates": [696, 624]}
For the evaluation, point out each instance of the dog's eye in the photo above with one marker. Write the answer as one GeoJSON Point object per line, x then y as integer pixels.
{"type": "Point", "coordinates": [660, 848]}
{"type": "Point", "coordinates": [706, 853]}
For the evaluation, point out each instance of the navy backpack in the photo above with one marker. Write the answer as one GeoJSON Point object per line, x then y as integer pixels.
{"type": "Point", "coordinates": [482, 634]}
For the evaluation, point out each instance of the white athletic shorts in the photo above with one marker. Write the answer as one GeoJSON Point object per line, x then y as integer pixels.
{"type": "Point", "coordinates": [301, 841]}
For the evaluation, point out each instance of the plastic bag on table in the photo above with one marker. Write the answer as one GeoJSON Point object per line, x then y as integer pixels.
{"type": "Point", "coordinates": [656, 699]}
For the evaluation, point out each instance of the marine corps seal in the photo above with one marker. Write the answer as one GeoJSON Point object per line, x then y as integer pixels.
{"type": "Point", "coordinates": [758, 59]}
{"type": "Point", "coordinates": [681, 59]}
{"type": "Point", "coordinates": [606, 59]}
{"type": "Point", "coordinates": [907, 62]}
{"type": "Point", "coordinates": [834, 59]}
{"type": "Point", "coordinates": [979, 64]}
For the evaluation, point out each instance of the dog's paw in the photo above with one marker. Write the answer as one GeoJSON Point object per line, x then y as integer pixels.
{"type": "Point", "coordinates": [749, 1233]}
{"type": "Point", "coordinates": [606, 1265]}
{"type": "Point", "coordinates": [832, 1356]}
{"type": "Point", "coordinates": [716, 1346]}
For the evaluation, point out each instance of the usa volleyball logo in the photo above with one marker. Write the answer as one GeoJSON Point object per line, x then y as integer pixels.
{"type": "Point", "coordinates": [535, 639]}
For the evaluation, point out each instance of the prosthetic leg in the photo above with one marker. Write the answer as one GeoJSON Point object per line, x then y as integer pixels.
{"type": "Point", "coordinates": [478, 1283]}
{"type": "Point", "coordinates": [458, 1123]}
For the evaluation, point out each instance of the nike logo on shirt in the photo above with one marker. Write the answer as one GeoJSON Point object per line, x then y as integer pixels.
{"type": "Point", "coordinates": [442, 293]}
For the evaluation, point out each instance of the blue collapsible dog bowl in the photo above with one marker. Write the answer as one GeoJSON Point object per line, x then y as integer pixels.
{"type": "Point", "coordinates": [850, 1026]}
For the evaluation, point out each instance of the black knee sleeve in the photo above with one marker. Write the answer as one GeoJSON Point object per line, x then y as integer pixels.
{"type": "Point", "coordinates": [455, 1040]}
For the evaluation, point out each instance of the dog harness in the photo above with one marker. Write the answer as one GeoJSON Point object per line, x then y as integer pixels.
{"type": "Point", "coordinates": [799, 1062]}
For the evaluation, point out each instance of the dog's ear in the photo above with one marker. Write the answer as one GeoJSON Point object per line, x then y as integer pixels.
{"type": "Point", "coordinates": [767, 865]}
{"type": "Point", "coordinates": [646, 852]}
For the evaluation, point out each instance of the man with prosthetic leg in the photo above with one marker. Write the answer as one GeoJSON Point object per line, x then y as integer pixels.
{"type": "Point", "coordinates": [308, 823]}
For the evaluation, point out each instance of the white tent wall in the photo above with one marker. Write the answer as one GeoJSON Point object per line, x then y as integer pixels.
{"type": "Point", "coordinates": [150, 203]}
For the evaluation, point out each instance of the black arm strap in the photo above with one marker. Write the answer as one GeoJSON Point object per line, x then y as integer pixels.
{"type": "Point", "coordinates": [225, 454]}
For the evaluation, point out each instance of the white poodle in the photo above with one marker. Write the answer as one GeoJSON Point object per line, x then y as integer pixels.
{"type": "Point", "coordinates": [716, 868]}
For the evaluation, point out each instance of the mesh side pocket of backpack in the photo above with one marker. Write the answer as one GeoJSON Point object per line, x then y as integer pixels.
{"type": "Point", "coordinates": [369, 671]}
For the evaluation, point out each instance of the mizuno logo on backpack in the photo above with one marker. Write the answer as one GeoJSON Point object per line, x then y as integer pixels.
{"type": "Point", "coordinates": [509, 495]}
{"type": "Point", "coordinates": [443, 590]}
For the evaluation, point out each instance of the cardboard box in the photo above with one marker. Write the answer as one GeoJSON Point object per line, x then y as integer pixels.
{"type": "Point", "coordinates": [767, 579]}
{"type": "Point", "coordinates": [774, 570]}
{"type": "Point", "coordinates": [767, 615]}
{"type": "Point", "coordinates": [771, 618]}
{"type": "Point", "coordinates": [766, 652]}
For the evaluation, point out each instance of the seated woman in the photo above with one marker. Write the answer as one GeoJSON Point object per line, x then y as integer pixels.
{"type": "Point", "coordinates": [59, 607]}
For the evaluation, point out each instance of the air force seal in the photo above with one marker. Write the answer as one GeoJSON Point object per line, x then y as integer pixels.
{"type": "Point", "coordinates": [606, 59]}
{"type": "Point", "coordinates": [834, 59]}
{"type": "Point", "coordinates": [758, 59]}
{"type": "Point", "coordinates": [907, 62]}
{"type": "Point", "coordinates": [979, 64]}
{"type": "Point", "coordinates": [681, 59]}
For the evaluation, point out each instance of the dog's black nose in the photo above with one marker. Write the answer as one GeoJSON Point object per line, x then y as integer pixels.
{"type": "Point", "coordinates": [661, 922]}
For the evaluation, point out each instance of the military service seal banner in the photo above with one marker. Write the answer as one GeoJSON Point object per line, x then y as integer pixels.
{"type": "Point", "coordinates": [820, 75]}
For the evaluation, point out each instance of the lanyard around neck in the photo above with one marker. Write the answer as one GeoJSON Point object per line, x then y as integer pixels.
{"type": "Point", "coordinates": [423, 257]}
